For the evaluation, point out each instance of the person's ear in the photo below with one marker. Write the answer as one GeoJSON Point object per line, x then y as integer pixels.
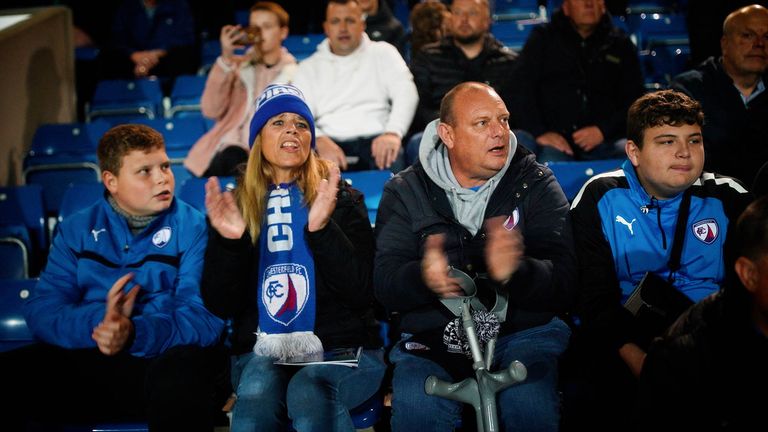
{"type": "Point", "coordinates": [110, 181]}
{"type": "Point", "coordinates": [445, 132]}
{"type": "Point", "coordinates": [283, 33]}
{"type": "Point", "coordinates": [746, 269]}
{"type": "Point", "coordinates": [633, 152]}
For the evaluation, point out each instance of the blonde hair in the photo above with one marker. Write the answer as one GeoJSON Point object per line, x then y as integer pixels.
{"type": "Point", "coordinates": [251, 194]}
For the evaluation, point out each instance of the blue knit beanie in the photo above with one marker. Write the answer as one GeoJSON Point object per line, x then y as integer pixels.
{"type": "Point", "coordinates": [277, 99]}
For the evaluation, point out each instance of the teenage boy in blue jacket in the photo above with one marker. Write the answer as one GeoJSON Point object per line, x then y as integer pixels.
{"type": "Point", "coordinates": [122, 328]}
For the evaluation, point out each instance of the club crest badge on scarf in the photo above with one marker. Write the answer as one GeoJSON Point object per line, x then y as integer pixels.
{"type": "Point", "coordinates": [285, 291]}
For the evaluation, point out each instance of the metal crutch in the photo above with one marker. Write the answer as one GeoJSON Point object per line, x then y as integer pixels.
{"type": "Point", "coordinates": [479, 391]}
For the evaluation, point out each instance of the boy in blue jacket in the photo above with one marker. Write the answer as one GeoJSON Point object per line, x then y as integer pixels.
{"type": "Point", "coordinates": [123, 331]}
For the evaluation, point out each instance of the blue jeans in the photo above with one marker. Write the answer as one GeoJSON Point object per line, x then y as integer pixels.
{"type": "Point", "coordinates": [312, 398]}
{"type": "Point", "coordinates": [533, 405]}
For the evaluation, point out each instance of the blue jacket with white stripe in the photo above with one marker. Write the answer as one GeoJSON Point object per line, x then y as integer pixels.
{"type": "Point", "coordinates": [621, 232]}
{"type": "Point", "coordinates": [95, 247]}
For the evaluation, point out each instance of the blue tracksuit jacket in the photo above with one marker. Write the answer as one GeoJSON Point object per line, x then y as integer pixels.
{"type": "Point", "coordinates": [621, 233]}
{"type": "Point", "coordinates": [95, 247]}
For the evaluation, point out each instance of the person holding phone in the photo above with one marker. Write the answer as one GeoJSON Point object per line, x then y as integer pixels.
{"type": "Point", "coordinates": [234, 82]}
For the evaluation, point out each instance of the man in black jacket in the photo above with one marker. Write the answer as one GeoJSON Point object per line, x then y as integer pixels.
{"type": "Point", "coordinates": [732, 93]}
{"type": "Point", "coordinates": [482, 204]}
{"type": "Point", "coordinates": [708, 371]}
{"type": "Point", "coordinates": [471, 53]}
{"type": "Point", "coordinates": [574, 82]}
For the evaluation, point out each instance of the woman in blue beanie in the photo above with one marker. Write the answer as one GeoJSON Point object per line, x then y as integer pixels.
{"type": "Point", "coordinates": [289, 262]}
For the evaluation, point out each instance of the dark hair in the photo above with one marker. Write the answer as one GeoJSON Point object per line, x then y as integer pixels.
{"type": "Point", "coordinates": [752, 230]}
{"type": "Point", "coordinates": [268, 6]}
{"type": "Point", "coordinates": [665, 107]}
{"type": "Point", "coordinates": [427, 23]}
{"type": "Point", "coordinates": [123, 139]}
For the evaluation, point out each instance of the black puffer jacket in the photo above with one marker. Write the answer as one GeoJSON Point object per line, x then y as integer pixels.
{"type": "Point", "coordinates": [343, 253]}
{"type": "Point", "coordinates": [413, 207]}
{"type": "Point", "coordinates": [563, 82]}
{"type": "Point", "coordinates": [439, 66]}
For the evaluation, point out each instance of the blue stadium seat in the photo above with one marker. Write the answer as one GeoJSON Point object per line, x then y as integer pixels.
{"type": "Point", "coordinates": [14, 258]}
{"type": "Point", "coordinates": [179, 133]}
{"type": "Point", "coordinates": [22, 216]}
{"type": "Point", "coordinates": [654, 29]}
{"type": "Point", "coordinates": [193, 190]}
{"type": "Point", "coordinates": [515, 10]}
{"type": "Point", "coordinates": [662, 63]}
{"type": "Point", "coordinates": [649, 6]}
{"type": "Point", "coordinates": [573, 174]}
{"type": "Point", "coordinates": [185, 96]}
{"type": "Point", "coordinates": [56, 178]}
{"type": "Point", "coordinates": [209, 51]}
{"type": "Point", "coordinates": [13, 328]}
{"type": "Point", "coordinates": [121, 101]}
{"type": "Point", "coordinates": [371, 184]}
{"type": "Point", "coordinates": [65, 142]}
{"type": "Point", "coordinates": [303, 46]}
{"type": "Point", "coordinates": [79, 196]}
{"type": "Point", "coordinates": [513, 34]}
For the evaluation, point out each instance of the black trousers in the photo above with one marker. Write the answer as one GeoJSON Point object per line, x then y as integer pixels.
{"type": "Point", "coordinates": [50, 388]}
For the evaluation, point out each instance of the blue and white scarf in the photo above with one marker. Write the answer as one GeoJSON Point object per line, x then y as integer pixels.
{"type": "Point", "coordinates": [286, 279]}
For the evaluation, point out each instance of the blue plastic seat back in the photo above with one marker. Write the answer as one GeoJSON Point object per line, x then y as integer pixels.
{"type": "Point", "coordinates": [573, 174]}
{"type": "Point", "coordinates": [654, 29]}
{"type": "Point", "coordinates": [56, 178]}
{"type": "Point", "coordinates": [13, 328]}
{"type": "Point", "coordinates": [65, 142]}
{"type": "Point", "coordinates": [79, 196]}
{"type": "Point", "coordinates": [515, 9]}
{"type": "Point", "coordinates": [127, 99]}
{"type": "Point", "coordinates": [514, 34]}
{"type": "Point", "coordinates": [371, 184]}
{"type": "Point", "coordinates": [193, 190]}
{"type": "Point", "coordinates": [179, 133]}
{"type": "Point", "coordinates": [303, 46]}
{"type": "Point", "coordinates": [186, 93]}
{"type": "Point", "coordinates": [22, 215]}
{"type": "Point", "coordinates": [14, 258]}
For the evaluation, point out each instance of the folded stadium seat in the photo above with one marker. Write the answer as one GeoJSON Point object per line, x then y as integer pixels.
{"type": "Point", "coordinates": [193, 190]}
{"type": "Point", "coordinates": [513, 34]}
{"type": "Point", "coordinates": [371, 184]}
{"type": "Point", "coordinates": [649, 6]}
{"type": "Point", "coordinates": [13, 328]}
{"type": "Point", "coordinates": [511, 10]}
{"type": "Point", "coordinates": [662, 63]}
{"type": "Point", "coordinates": [121, 101]}
{"type": "Point", "coordinates": [655, 29]}
{"type": "Point", "coordinates": [22, 216]}
{"type": "Point", "coordinates": [303, 46]}
{"type": "Point", "coordinates": [55, 178]}
{"type": "Point", "coordinates": [14, 261]}
{"type": "Point", "coordinates": [573, 174]}
{"type": "Point", "coordinates": [185, 96]}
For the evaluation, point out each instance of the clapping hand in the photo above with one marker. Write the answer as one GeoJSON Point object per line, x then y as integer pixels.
{"type": "Point", "coordinates": [115, 329]}
{"type": "Point", "coordinates": [434, 268]}
{"type": "Point", "coordinates": [503, 250]}
{"type": "Point", "coordinates": [222, 211]}
{"type": "Point", "coordinates": [325, 202]}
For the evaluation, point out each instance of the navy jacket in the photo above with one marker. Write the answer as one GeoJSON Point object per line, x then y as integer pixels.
{"type": "Point", "coordinates": [735, 135]}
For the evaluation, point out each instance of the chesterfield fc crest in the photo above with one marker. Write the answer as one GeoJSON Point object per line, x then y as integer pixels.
{"type": "Point", "coordinates": [706, 230]}
{"type": "Point", "coordinates": [285, 291]}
